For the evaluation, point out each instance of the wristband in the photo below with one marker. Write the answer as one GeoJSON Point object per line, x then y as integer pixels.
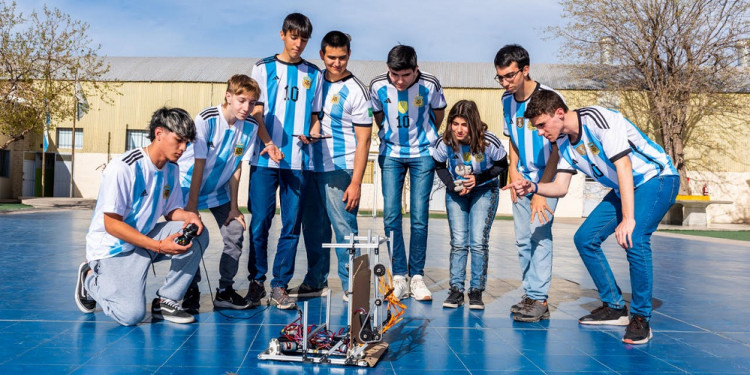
{"type": "Point", "coordinates": [270, 143]}
{"type": "Point", "coordinates": [536, 187]}
{"type": "Point", "coordinates": [158, 249]}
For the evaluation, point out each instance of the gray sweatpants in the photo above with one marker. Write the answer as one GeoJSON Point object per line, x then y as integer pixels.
{"type": "Point", "coordinates": [232, 235]}
{"type": "Point", "coordinates": [118, 284]}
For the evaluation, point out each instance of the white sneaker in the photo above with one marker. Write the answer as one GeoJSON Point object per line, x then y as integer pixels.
{"type": "Point", "coordinates": [419, 290]}
{"type": "Point", "coordinates": [400, 287]}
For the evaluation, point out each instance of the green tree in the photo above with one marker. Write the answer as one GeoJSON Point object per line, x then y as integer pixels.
{"type": "Point", "coordinates": [42, 55]}
{"type": "Point", "coordinates": [674, 62]}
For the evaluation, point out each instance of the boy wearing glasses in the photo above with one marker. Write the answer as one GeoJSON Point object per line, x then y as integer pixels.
{"type": "Point", "coordinates": [408, 106]}
{"type": "Point", "coordinates": [529, 154]}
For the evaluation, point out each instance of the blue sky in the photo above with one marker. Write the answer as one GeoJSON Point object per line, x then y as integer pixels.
{"type": "Point", "coordinates": [440, 30]}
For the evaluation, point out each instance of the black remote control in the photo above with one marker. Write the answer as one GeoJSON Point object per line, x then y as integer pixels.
{"type": "Point", "coordinates": [188, 233]}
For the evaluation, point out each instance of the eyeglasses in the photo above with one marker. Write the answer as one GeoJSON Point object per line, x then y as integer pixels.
{"type": "Point", "coordinates": [507, 77]}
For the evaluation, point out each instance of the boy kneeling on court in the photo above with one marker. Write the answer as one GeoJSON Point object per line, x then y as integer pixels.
{"type": "Point", "coordinates": [124, 237]}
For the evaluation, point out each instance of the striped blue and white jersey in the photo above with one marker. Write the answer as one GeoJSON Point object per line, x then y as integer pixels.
{"type": "Point", "coordinates": [478, 163]}
{"type": "Point", "coordinates": [533, 149]}
{"type": "Point", "coordinates": [604, 137]}
{"type": "Point", "coordinates": [409, 128]}
{"type": "Point", "coordinates": [346, 104]}
{"type": "Point", "coordinates": [290, 94]}
{"type": "Point", "coordinates": [223, 147]}
{"type": "Point", "coordinates": [135, 189]}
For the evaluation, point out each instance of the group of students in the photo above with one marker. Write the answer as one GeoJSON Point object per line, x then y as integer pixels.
{"type": "Point", "coordinates": [306, 134]}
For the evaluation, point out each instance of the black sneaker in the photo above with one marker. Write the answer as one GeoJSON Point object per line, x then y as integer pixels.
{"type": "Point", "coordinates": [606, 315]}
{"type": "Point", "coordinates": [519, 306]}
{"type": "Point", "coordinates": [230, 299]}
{"type": "Point", "coordinates": [83, 301]}
{"type": "Point", "coordinates": [162, 308]}
{"type": "Point", "coordinates": [255, 293]}
{"type": "Point", "coordinates": [638, 331]}
{"type": "Point", "coordinates": [475, 299]}
{"type": "Point", "coordinates": [192, 302]}
{"type": "Point", "coordinates": [304, 290]}
{"type": "Point", "coordinates": [455, 298]}
{"type": "Point", "coordinates": [532, 312]}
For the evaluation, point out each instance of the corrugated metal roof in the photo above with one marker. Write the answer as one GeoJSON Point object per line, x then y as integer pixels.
{"type": "Point", "coordinates": [214, 69]}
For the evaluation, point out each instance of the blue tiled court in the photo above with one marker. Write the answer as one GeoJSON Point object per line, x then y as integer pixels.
{"type": "Point", "coordinates": [702, 289]}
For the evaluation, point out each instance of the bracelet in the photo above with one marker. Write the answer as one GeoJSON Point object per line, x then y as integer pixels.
{"type": "Point", "coordinates": [270, 143]}
{"type": "Point", "coordinates": [158, 249]}
{"type": "Point", "coordinates": [536, 187]}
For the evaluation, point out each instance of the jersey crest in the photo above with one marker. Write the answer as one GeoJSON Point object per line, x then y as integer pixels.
{"type": "Point", "coordinates": [403, 107]}
{"type": "Point", "coordinates": [167, 191]}
{"type": "Point", "coordinates": [238, 149]}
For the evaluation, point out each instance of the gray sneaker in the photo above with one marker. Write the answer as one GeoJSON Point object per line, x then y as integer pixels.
{"type": "Point", "coordinates": [281, 299]}
{"type": "Point", "coordinates": [519, 306]}
{"type": "Point", "coordinates": [532, 312]}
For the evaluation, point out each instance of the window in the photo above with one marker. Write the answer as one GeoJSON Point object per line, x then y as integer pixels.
{"type": "Point", "coordinates": [65, 139]}
{"type": "Point", "coordinates": [136, 138]}
{"type": "Point", "coordinates": [4, 163]}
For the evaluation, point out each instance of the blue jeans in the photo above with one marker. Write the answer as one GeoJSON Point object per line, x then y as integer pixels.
{"type": "Point", "coordinates": [262, 205]}
{"type": "Point", "coordinates": [470, 219]}
{"type": "Point", "coordinates": [322, 207]}
{"type": "Point", "coordinates": [652, 200]}
{"type": "Point", "coordinates": [421, 173]}
{"type": "Point", "coordinates": [534, 245]}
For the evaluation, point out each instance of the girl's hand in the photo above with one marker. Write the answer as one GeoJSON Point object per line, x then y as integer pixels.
{"type": "Point", "coordinates": [470, 181]}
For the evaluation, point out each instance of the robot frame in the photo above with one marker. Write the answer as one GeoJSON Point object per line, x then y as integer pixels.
{"type": "Point", "coordinates": [361, 342]}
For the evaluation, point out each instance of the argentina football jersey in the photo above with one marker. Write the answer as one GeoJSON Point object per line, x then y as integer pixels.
{"type": "Point", "coordinates": [477, 163]}
{"type": "Point", "coordinates": [292, 93]}
{"type": "Point", "coordinates": [346, 104]}
{"type": "Point", "coordinates": [533, 149]}
{"type": "Point", "coordinates": [408, 129]}
{"type": "Point", "coordinates": [223, 148]}
{"type": "Point", "coordinates": [135, 189]}
{"type": "Point", "coordinates": [606, 136]}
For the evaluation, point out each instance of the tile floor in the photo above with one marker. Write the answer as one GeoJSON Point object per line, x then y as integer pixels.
{"type": "Point", "coordinates": [702, 288]}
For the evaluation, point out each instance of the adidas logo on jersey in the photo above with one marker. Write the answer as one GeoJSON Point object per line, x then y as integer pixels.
{"type": "Point", "coordinates": [145, 193]}
{"type": "Point", "coordinates": [387, 100]}
{"type": "Point", "coordinates": [276, 78]}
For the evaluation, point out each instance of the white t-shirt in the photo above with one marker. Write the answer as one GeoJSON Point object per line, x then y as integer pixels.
{"type": "Point", "coordinates": [346, 105]}
{"type": "Point", "coordinates": [135, 189]}
{"type": "Point", "coordinates": [223, 148]}
{"type": "Point", "coordinates": [476, 163]}
{"type": "Point", "coordinates": [408, 129]}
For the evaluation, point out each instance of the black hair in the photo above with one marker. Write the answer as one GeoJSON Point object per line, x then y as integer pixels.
{"type": "Point", "coordinates": [511, 53]}
{"type": "Point", "coordinates": [175, 120]}
{"type": "Point", "coordinates": [543, 102]}
{"type": "Point", "coordinates": [402, 57]}
{"type": "Point", "coordinates": [335, 39]}
{"type": "Point", "coordinates": [297, 22]}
